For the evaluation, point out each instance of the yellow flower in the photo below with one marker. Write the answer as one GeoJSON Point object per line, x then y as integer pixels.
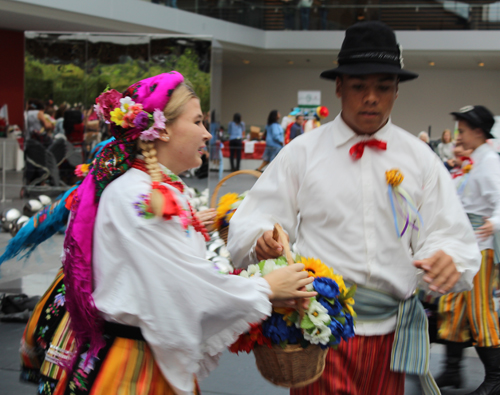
{"type": "Point", "coordinates": [224, 206]}
{"type": "Point", "coordinates": [394, 177]}
{"type": "Point", "coordinates": [316, 268]}
{"type": "Point", "coordinates": [117, 116]}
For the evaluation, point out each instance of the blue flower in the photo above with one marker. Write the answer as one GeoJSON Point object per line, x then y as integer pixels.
{"type": "Point", "coordinates": [326, 287]}
{"type": "Point", "coordinates": [348, 331]}
{"type": "Point", "coordinates": [337, 329]}
{"type": "Point", "coordinates": [276, 329]}
{"type": "Point", "coordinates": [333, 309]}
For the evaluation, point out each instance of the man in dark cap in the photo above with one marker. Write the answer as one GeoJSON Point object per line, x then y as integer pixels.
{"type": "Point", "coordinates": [329, 191]}
{"type": "Point", "coordinates": [473, 312]}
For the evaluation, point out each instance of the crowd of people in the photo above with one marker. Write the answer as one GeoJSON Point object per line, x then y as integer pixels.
{"type": "Point", "coordinates": [148, 314]}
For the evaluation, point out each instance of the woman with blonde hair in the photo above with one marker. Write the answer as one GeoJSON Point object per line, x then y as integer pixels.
{"type": "Point", "coordinates": [445, 149]}
{"type": "Point", "coordinates": [149, 313]}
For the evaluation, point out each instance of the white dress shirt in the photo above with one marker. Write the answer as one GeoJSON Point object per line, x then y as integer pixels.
{"type": "Point", "coordinates": [152, 274]}
{"type": "Point", "coordinates": [481, 195]}
{"type": "Point", "coordinates": [338, 210]}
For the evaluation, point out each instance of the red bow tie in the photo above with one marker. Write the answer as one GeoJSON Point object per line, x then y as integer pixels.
{"type": "Point", "coordinates": [357, 149]}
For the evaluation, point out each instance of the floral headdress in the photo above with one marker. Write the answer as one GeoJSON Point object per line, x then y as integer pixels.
{"type": "Point", "coordinates": [137, 113]}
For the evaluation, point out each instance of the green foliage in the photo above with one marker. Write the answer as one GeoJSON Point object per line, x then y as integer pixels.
{"type": "Point", "coordinates": [73, 84]}
{"type": "Point", "coordinates": [306, 323]}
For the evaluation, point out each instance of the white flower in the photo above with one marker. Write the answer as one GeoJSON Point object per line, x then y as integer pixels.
{"type": "Point", "coordinates": [269, 266]}
{"type": "Point", "coordinates": [318, 313]}
{"type": "Point", "coordinates": [253, 271]}
{"type": "Point", "coordinates": [320, 335]}
{"type": "Point", "coordinates": [126, 102]}
{"type": "Point", "coordinates": [243, 273]}
{"type": "Point", "coordinates": [236, 204]}
{"type": "Point", "coordinates": [309, 287]}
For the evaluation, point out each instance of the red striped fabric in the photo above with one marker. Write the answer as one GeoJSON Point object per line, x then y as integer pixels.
{"type": "Point", "coordinates": [358, 367]}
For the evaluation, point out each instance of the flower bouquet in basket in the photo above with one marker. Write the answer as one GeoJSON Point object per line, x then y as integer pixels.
{"type": "Point", "coordinates": [290, 347]}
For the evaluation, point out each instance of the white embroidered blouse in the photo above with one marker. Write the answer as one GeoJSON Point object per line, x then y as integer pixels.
{"type": "Point", "coordinates": [153, 274]}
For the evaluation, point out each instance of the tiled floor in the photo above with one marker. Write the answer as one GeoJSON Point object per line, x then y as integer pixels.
{"type": "Point", "coordinates": [236, 375]}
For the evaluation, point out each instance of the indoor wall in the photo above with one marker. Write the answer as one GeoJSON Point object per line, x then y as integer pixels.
{"type": "Point", "coordinates": [427, 101]}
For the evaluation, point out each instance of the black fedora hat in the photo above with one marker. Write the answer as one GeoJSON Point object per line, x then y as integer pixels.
{"type": "Point", "coordinates": [370, 48]}
{"type": "Point", "coordinates": [477, 117]}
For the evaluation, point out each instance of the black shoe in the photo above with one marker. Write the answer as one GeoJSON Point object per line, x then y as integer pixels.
{"type": "Point", "coordinates": [451, 377]}
{"type": "Point", "coordinates": [491, 361]}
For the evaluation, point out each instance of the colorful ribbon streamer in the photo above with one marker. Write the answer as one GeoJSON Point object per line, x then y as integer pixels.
{"type": "Point", "coordinates": [402, 204]}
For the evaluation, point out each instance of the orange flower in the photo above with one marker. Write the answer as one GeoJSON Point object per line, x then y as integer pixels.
{"type": "Point", "coordinates": [316, 268]}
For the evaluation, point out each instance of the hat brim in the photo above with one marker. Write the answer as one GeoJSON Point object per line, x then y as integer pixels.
{"type": "Point", "coordinates": [368, 68]}
{"type": "Point", "coordinates": [464, 117]}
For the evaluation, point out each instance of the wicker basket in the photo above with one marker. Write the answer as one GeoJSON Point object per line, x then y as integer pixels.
{"type": "Point", "coordinates": [223, 232]}
{"type": "Point", "coordinates": [292, 366]}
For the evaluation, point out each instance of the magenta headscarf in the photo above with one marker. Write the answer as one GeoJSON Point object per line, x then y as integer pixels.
{"type": "Point", "coordinates": [153, 93]}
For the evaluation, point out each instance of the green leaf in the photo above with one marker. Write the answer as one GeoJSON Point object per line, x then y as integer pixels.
{"type": "Point", "coordinates": [351, 292]}
{"type": "Point", "coordinates": [340, 319]}
{"type": "Point", "coordinates": [304, 343]}
{"type": "Point", "coordinates": [283, 344]}
{"type": "Point", "coordinates": [330, 300]}
{"type": "Point", "coordinates": [306, 323]}
{"type": "Point", "coordinates": [294, 317]}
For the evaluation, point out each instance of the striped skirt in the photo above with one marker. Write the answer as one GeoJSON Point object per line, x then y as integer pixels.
{"type": "Point", "coordinates": [46, 338]}
{"type": "Point", "coordinates": [122, 366]}
{"type": "Point", "coordinates": [473, 312]}
{"type": "Point", "coordinates": [358, 367]}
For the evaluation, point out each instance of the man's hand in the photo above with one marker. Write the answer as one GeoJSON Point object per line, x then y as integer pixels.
{"type": "Point", "coordinates": [267, 247]}
{"type": "Point", "coordinates": [207, 218]}
{"type": "Point", "coordinates": [440, 272]}
{"type": "Point", "coordinates": [486, 230]}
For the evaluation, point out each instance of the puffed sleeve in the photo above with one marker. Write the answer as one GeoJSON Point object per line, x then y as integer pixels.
{"type": "Point", "coordinates": [446, 227]}
{"type": "Point", "coordinates": [152, 273]}
{"type": "Point", "coordinates": [264, 206]}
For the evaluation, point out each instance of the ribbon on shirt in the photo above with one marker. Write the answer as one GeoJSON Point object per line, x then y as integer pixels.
{"type": "Point", "coordinates": [358, 149]}
{"type": "Point", "coordinates": [411, 347]}
{"type": "Point", "coordinates": [464, 172]}
{"type": "Point", "coordinates": [402, 204]}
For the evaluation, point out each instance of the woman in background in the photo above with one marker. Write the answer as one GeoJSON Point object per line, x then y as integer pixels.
{"type": "Point", "coordinates": [275, 138]}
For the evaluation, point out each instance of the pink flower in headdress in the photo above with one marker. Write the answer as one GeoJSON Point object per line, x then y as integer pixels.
{"type": "Point", "coordinates": [159, 119]}
{"type": "Point", "coordinates": [108, 101]}
{"type": "Point", "coordinates": [129, 117]}
{"type": "Point", "coordinates": [150, 134]}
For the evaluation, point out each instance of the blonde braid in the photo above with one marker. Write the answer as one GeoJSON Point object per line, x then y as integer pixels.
{"type": "Point", "coordinates": [157, 200]}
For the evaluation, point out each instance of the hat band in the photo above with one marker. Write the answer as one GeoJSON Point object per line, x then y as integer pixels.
{"type": "Point", "coordinates": [371, 57]}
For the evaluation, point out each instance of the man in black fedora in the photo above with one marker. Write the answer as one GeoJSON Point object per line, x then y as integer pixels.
{"type": "Point", "coordinates": [329, 191]}
{"type": "Point", "coordinates": [473, 313]}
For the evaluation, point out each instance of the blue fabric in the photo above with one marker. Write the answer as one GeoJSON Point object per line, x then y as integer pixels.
{"type": "Point", "coordinates": [235, 131]}
{"type": "Point", "coordinates": [274, 135]}
{"type": "Point", "coordinates": [477, 221]}
{"type": "Point", "coordinates": [411, 348]}
{"type": "Point", "coordinates": [295, 130]}
{"type": "Point", "coordinates": [49, 221]}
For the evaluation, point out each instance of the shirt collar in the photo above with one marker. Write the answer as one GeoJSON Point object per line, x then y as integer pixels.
{"type": "Point", "coordinates": [479, 152]}
{"type": "Point", "coordinates": [344, 133]}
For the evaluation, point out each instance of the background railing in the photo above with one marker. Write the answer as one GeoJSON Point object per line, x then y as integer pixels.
{"type": "Point", "coordinates": [339, 14]}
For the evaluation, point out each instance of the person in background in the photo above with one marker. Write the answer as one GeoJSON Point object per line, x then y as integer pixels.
{"type": "Point", "coordinates": [424, 137]}
{"type": "Point", "coordinates": [215, 141]}
{"type": "Point", "coordinates": [445, 149]}
{"type": "Point", "coordinates": [236, 132]}
{"type": "Point", "coordinates": [59, 128]}
{"type": "Point", "coordinates": [298, 127]}
{"type": "Point", "coordinates": [36, 119]}
{"type": "Point", "coordinates": [289, 14]}
{"type": "Point", "coordinates": [473, 313]}
{"type": "Point", "coordinates": [305, 12]}
{"type": "Point", "coordinates": [274, 139]}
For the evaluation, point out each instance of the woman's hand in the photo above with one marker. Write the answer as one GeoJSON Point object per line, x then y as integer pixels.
{"type": "Point", "coordinates": [207, 218]}
{"type": "Point", "coordinates": [288, 283]}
